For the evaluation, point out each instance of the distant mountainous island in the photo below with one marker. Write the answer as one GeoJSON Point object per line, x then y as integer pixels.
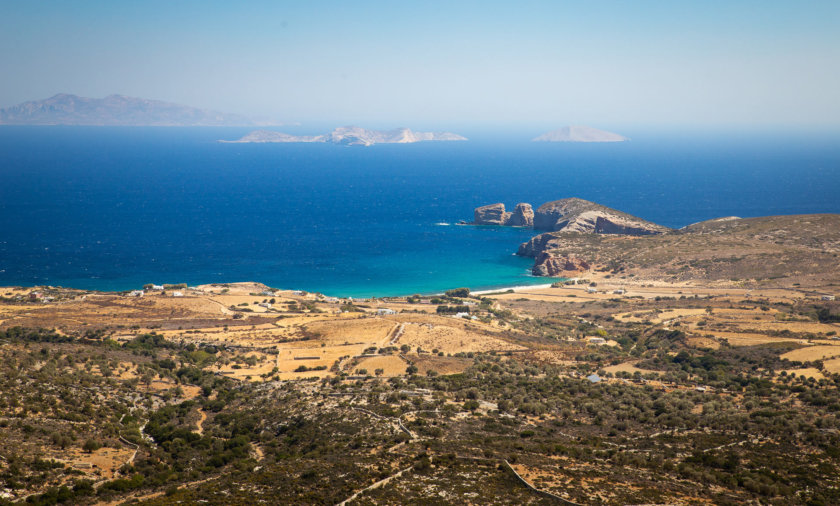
{"type": "Point", "coordinates": [352, 136]}
{"type": "Point", "coordinates": [580, 134]}
{"type": "Point", "coordinates": [114, 110]}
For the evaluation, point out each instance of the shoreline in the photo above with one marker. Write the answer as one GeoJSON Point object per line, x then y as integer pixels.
{"type": "Point", "coordinates": [483, 291]}
{"type": "Point", "coordinates": [516, 288]}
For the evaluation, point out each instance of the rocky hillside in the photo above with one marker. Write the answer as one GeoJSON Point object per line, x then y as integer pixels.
{"type": "Point", "coordinates": [113, 110]}
{"type": "Point", "coordinates": [754, 251]}
{"type": "Point", "coordinates": [578, 215]}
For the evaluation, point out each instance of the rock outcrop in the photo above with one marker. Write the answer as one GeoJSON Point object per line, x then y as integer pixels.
{"type": "Point", "coordinates": [495, 214]}
{"type": "Point", "coordinates": [559, 218]}
{"type": "Point", "coordinates": [578, 215]}
{"type": "Point", "coordinates": [569, 215]}
{"type": "Point", "coordinates": [550, 264]}
{"type": "Point", "coordinates": [522, 216]}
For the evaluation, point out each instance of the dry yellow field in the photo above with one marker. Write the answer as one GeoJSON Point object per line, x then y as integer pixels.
{"type": "Point", "coordinates": [629, 367]}
{"type": "Point", "coordinates": [808, 372]}
{"type": "Point", "coordinates": [812, 353]}
{"type": "Point", "coordinates": [392, 365]}
{"type": "Point", "coordinates": [450, 338]}
{"type": "Point", "coordinates": [746, 338]}
{"type": "Point", "coordinates": [371, 330]}
{"type": "Point", "coordinates": [832, 366]}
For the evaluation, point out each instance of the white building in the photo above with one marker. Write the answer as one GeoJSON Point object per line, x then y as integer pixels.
{"type": "Point", "coordinates": [177, 294]}
{"type": "Point", "coordinates": [597, 340]}
{"type": "Point", "coordinates": [385, 310]}
{"type": "Point", "coordinates": [136, 293]}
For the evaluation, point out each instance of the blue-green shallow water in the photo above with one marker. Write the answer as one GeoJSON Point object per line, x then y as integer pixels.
{"type": "Point", "coordinates": [114, 208]}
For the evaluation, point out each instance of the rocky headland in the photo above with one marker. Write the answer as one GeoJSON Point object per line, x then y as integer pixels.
{"type": "Point", "coordinates": [352, 136]}
{"type": "Point", "coordinates": [570, 215]}
{"type": "Point", "coordinates": [579, 238]}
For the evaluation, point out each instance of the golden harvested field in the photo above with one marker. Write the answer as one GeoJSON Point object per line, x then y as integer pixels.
{"type": "Point", "coordinates": [450, 338]}
{"type": "Point", "coordinates": [747, 338]}
{"type": "Point", "coordinates": [808, 372]}
{"type": "Point", "coordinates": [629, 367]}
{"type": "Point", "coordinates": [375, 331]}
{"type": "Point", "coordinates": [832, 365]}
{"type": "Point", "coordinates": [392, 365]}
{"type": "Point", "coordinates": [812, 353]}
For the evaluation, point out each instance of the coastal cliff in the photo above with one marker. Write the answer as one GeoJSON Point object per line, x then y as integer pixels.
{"type": "Point", "coordinates": [559, 218]}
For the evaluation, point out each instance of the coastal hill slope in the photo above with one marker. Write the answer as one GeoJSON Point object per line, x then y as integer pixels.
{"type": "Point", "coordinates": [579, 133]}
{"type": "Point", "coordinates": [582, 237]}
{"type": "Point", "coordinates": [351, 136]}
{"type": "Point", "coordinates": [747, 251]}
{"type": "Point", "coordinates": [113, 110]}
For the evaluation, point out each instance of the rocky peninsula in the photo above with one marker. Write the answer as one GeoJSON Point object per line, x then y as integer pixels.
{"type": "Point", "coordinates": [570, 215]}
{"type": "Point", "coordinates": [579, 237]}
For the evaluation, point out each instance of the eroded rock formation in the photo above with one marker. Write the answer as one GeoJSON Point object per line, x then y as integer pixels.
{"type": "Point", "coordinates": [550, 264]}
{"type": "Point", "coordinates": [559, 217]}
{"type": "Point", "coordinates": [522, 216]}
{"type": "Point", "coordinates": [493, 214]}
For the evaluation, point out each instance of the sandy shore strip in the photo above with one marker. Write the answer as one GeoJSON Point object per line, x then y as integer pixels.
{"type": "Point", "coordinates": [514, 288]}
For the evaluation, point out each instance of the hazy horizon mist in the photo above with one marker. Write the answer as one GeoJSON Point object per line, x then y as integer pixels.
{"type": "Point", "coordinates": [544, 64]}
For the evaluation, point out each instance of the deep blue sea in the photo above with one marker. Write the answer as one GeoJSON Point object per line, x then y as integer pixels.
{"type": "Point", "coordinates": [115, 208]}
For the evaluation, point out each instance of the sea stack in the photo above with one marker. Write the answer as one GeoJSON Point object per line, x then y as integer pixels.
{"type": "Point", "coordinates": [523, 216]}
{"type": "Point", "coordinates": [495, 214]}
{"type": "Point", "coordinates": [492, 214]}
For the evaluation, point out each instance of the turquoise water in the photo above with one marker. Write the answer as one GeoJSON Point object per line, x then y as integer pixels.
{"type": "Point", "coordinates": [115, 208]}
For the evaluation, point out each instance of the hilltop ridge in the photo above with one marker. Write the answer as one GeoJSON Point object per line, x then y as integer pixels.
{"type": "Point", "coordinates": [114, 110]}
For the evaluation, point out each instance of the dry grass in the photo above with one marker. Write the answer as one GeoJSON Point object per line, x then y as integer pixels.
{"type": "Point", "coordinates": [451, 336]}
{"type": "Point", "coordinates": [812, 353]}
{"type": "Point", "coordinates": [629, 367]}
{"type": "Point", "coordinates": [392, 365]}
{"type": "Point", "coordinates": [808, 372]}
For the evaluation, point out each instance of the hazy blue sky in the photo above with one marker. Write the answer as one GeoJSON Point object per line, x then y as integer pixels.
{"type": "Point", "coordinates": [668, 62]}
